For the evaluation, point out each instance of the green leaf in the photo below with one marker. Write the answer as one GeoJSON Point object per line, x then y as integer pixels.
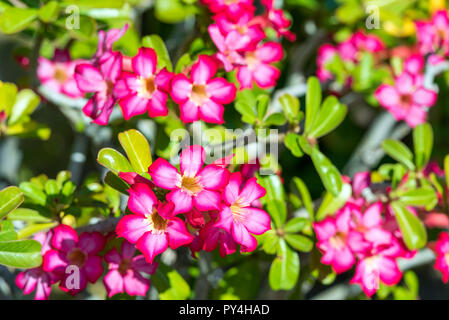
{"type": "Point", "coordinates": [284, 271]}
{"type": "Point", "coordinates": [422, 197]}
{"type": "Point", "coordinates": [278, 212]}
{"type": "Point", "coordinates": [34, 228]}
{"type": "Point", "coordinates": [7, 232]}
{"type": "Point", "coordinates": [299, 242]}
{"type": "Point", "coordinates": [112, 180]}
{"type": "Point", "coordinates": [49, 12]}
{"type": "Point", "coordinates": [15, 19]}
{"type": "Point", "coordinates": [163, 58]}
{"type": "Point", "coordinates": [301, 188]}
{"type": "Point", "coordinates": [173, 11]}
{"type": "Point", "coordinates": [270, 242]}
{"type": "Point", "coordinates": [26, 102]}
{"type": "Point", "coordinates": [51, 187]}
{"type": "Point", "coordinates": [89, 4]}
{"type": "Point", "coordinates": [137, 149]}
{"type": "Point", "coordinates": [328, 173]}
{"type": "Point", "coordinates": [10, 199]}
{"type": "Point", "coordinates": [8, 93]}
{"type": "Point", "coordinates": [183, 62]}
{"type": "Point", "coordinates": [296, 224]}
{"type": "Point", "coordinates": [412, 229]}
{"type": "Point", "coordinates": [399, 152]}
{"type": "Point", "coordinates": [313, 101]}
{"type": "Point", "coordinates": [332, 113]}
{"type": "Point", "coordinates": [274, 187]}
{"type": "Point", "coordinates": [290, 105]}
{"type": "Point", "coordinates": [33, 193]}
{"type": "Point", "coordinates": [446, 169]}
{"type": "Point", "coordinates": [178, 288]}
{"type": "Point", "coordinates": [25, 214]}
{"type": "Point", "coordinates": [423, 144]}
{"type": "Point", "coordinates": [114, 161]}
{"type": "Point", "coordinates": [331, 203]}
{"type": "Point", "coordinates": [292, 143]}
{"type": "Point", "coordinates": [275, 119]}
{"type": "Point", "coordinates": [263, 101]}
{"type": "Point", "coordinates": [20, 253]}
{"type": "Point", "coordinates": [247, 112]}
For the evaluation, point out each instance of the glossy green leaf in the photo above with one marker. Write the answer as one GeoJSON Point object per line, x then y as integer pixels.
{"type": "Point", "coordinates": [20, 253]}
{"type": "Point", "coordinates": [278, 212]}
{"type": "Point", "coordinates": [173, 11]}
{"type": "Point", "coordinates": [176, 287]}
{"type": "Point", "coordinates": [33, 193]}
{"type": "Point", "coordinates": [7, 231]}
{"type": "Point", "coordinates": [299, 242]}
{"type": "Point", "coordinates": [26, 102]}
{"type": "Point", "coordinates": [332, 113]}
{"type": "Point", "coordinates": [8, 93]}
{"type": "Point", "coordinates": [329, 174]}
{"type": "Point", "coordinates": [291, 106]}
{"type": "Point", "coordinates": [412, 229]}
{"type": "Point", "coordinates": [247, 112]}
{"type": "Point", "coordinates": [137, 149]}
{"type": "Point", "coordinates": [292, 143]}
{"type": "Point", "coordinates": [15, 19]}
{"type": "Point", "coordinates": [114, 161]}
{"type": "Point", "coordinates": [26, 214]}
{"type": "Point", "coordinates": [112, 180]}
{"type": "Point", "coordinates": [270, 242]}
{"type": "Point", "coordinates": [301, 188]}
{"type": "Point", "coordinates": [275, 119]}
{"type": "Point", "coordinates": [423, 144]}
{"type": "Point", "coordinates": [49, 12]}
{"type": "Point", "coordinates": [399, 152]}
{"type": "Point", "coordinates": [284, 271]}
{"type": "Point", "coordinates": [10, 199]}
{"type": "Point", "coordinates": [296, 224]}
{"type": "Point", "coordinates": [263, 101]}
{"type": "Point", "coordinates": [422, 197]}
{"type": "Point", "coordinates": [163, 58]}
{"type": "Point", "coordinates": [313, 101]}
{"type": "Point", "coordinates": [89, 4]}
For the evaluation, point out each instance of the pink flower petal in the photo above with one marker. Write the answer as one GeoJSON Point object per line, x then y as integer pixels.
{"type": "Point", "coordinates": [212, 112]}
{"type": "Point", "coordinates": [152, 244]}
{"type": "Point", "coordinates": [144, 63]}
{"type": "Point", "coordinates": [178, 235]}
{"type": "Point", "coordinates": [89, 79]}
{"type": "Point", "coordinates": [64, 238]}
{"type": "Point", "coordinates": [182, 201]}
{"type": "Point", "coordinates": [221, 91]}
{"type": "Point", "coordinates": [158, 105]}
{"type": "Point", "coordinates": [213, 177]}
{"type": "Point", "coordinates": [266, 76]}
{"type": "Point", "coordinates": [181, 88]}
{"type": "Point", "coordinates": [141, 199]}
{"type": "Point", "coordinates": [189, 111]}
{"type": "Point", "coordinates": [133, 105]}
{"type": "Point", "coordinates": [192, 160]}
{"type": "Point", "coordinates": [164, 175]}
{"type": "Point", "coordinates": [424, 97]}
{"type": "Point", "coordinates": [256, 220]}
{"type": "Point", "coordinates": [113, 281]}
{"type": "Point", "coordinates": [135, 284]}
{"type": "Point", "coordinates": [203, 70]}
{"type": "Point", "coordinates": [387, 96]}
{"type": "Point", "coordinates": [91, 243]}
{"type": "Point", "coordinates": [270, 52]}
{"type": "Point", "coordinates": [93, 268]}
{"type": "Point", "coordinates": [207, 200]}
{"type": "Point", "coordinates": [132, 227]}
{"type": "Point", "coordinates": [251, 191]}
{"type": "Point", "coordinates": [243, 237]}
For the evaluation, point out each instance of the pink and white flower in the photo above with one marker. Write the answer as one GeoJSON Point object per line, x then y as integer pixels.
{"type": "Point", "coordinates": [58, 73]}
{"type": "Point", "coordinates": [70, 250]}
{"type": "Point", "coordinates": [213, 236]}
{"type": "Point", "coordinates": [195, 186]}
{"type": "Point", "coordinates": [201, 96]}
{"type": "Point", "coordinates": [441, 249]}
{"type": "Point", "coordinates": [146, 89]}
{"type": "Point", "coordinates": [152, 226]}
{"type": "Point", "coordinates": [125, 272]}
{"type": "Point", "coordinates": [407, 100]}
{"type": "Point", "coordinates": [258, 66]}
{"type": "Point", "coordinates": [433, 36]}
{"type": "Point", "coordinates": [238, 217]}
{"type": "Point", "coordinates": [36, 278]}
{"type": "Point", "coordinates": [100, 81]}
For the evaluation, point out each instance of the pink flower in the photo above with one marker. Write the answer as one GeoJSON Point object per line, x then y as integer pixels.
{"type": "Point", "coordinates": [153, 226]}
{"type": "Point", "coordinates": [201, 96]}
{"type": "Point", "coordinates": [195, 186]}
{"type": "Point", "coordinates": [381, 265]}
{"type": "Point", "coordinates": [100, 80]}
{"type": "Point", "coordinates": [258, 66]}
{"type": "Point", "coordinates": [106, 40]}
{"type": "Point", "coordinates": [407, 100]}
{"type": "Point", "coordinates": [230, 46]}
{"type": "Point", "coordinates": [125, 272]}
{"type": "Point", "coordinates": [69, 250]}
{"type": "Point", "coordinates": [351, 49]}
{"type": "Point", "coordinates": [36, 278]}
{"type": "Point", "coordinates": [58, 73]}
{"type": "Point", "coordinates": [325, 55]}
{"type": "Point", "coordinates": [278, 21]}
{"type": "Point", "coordinates": [414, 64]}
{"type": "Point", "coordinates": [337, 241]}
{"type": "Point", "coordinates": [145, 89]}
{"type": "Point", "coordinates": [213, 236]}
{"type": "Point", "coordinates": [433, 36]}
{"type": "Point", "coordinates": [442, 252]}
{"type": "Point", "coordinates": [242, 24]}
{"type": "Point", "coordinates": [238, 217]}
{"type": "Point", "coordinates": [232, 7]}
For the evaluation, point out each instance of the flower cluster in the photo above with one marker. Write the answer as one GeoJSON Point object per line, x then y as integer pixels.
{"type": "Point", "coordinates": [74, 260]}
{"type": "Point", "coordinates": [238, 34]}
{"type": "Point", "coordinates": [408, 99]}
{"type": "Point", "coordinates": [200, 207]}
{"type": "Point", "coordinates": [433, 36]}
{"type": "Point", "coordinates": [349, 51]}
{"type": "Point", "coordinates": [366, 235]}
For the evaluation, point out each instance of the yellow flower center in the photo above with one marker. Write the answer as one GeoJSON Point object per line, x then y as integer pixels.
{"type": "Point", "coordinates": [146, 88]}
{"type": "Point", "coordinates": [77, 257]}
{"type": "Point", "coordinates": [60, 75]}
{"type": "Point", "coordinates": [199, 94]}
{"type": "Point", "coordinates": [191, 185]}
{"type": "Point", "coordinates": [157, 223]}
